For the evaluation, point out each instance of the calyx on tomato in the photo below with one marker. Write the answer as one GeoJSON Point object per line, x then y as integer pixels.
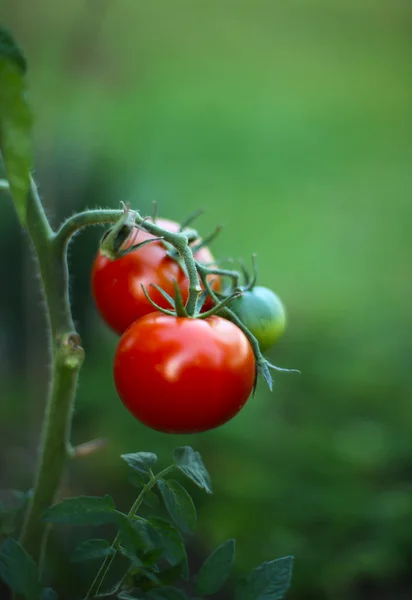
{"type": "Point", "coordinates": [117, 284]}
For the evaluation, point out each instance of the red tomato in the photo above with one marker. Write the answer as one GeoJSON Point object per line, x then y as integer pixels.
{"type": "Point", "coordinates": [116, 284]}
{"type": "Point", "coordinates": [180, 375]}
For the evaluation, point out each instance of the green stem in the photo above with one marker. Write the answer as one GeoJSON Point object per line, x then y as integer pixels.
{"type": "Point", "coordinates": [179, 240]}
{"type": "Point", "coordinates": [230, 315]}
{"type": "Point", "coordinates": [83, 219]}
{"type": "Point", "coordinates": [4, 184]}
{"type": "Point", "coordinates": [67, 358]}
{"type": "Point", "coordinates": [106, 564]}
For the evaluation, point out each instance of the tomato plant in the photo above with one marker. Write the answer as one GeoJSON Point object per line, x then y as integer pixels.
{"type": "Point", "coordinates": [182, 375]}
{"type": "Point", "coordinates": [179, 372]}
{"type": "Point", "coordinates": [263, 313]}
{"type": "Point", "coordinates": [117, 284]}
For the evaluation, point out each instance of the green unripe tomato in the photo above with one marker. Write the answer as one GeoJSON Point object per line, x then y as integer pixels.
{"type": "Point", "coordinates": [263, 313]}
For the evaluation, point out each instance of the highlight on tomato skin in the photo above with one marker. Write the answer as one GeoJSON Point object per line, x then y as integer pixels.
{"type": "Point", "coordinates": [183, 375]}
{"type": "Point", "coordinates": [116, 284]}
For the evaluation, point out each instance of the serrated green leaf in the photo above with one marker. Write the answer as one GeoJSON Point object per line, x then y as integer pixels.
{"type": "Point", "coordinates": [15, 122]}
{"type": "Point", "coordinates": [191, 464]}
{"type": "Point", "coordinates": [83, 510]}
{"type": "Point", "coordinates": [48, 594]}
{"type": "Point", "coordinates": [216, 569]}
{"type": "Point", "coordinates": [269, 581]}
{"type": "Point", "coordinates": [140, 461]}
{"type": "Point", "coordinates": [92, 549]}
{"type": "Point", "coordinates": [171, 542]}
{"type": "Point", "coordinates": [179, 504]}
{"type": "Point", "coordinates": [18, 570]}
{"type": "Point", "coordinates": [166, 592]}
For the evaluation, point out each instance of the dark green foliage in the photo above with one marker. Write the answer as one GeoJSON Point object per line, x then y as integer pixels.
{"type": "Point", "coordinates": [83, 510]}
{"type": "Point", "coordinates": [179, 504]}
{"type": "Point", "coordinates": [191, 464]}
{"type": "Point", "coordinates": [92, 549]}
{"type": "Point", "coordinates": [18, 570]}
{"type": "Point", "coordinates": [166, 593]}
{"type": "Point", "coordinates": [269, 581]}
{"type": "Point", "coordinates": [151, 500]}
{"type": "Point", "coordinates": [216, 569]}
{"type": "Point", "coordinates": [171, 542]}
{"type": "Point", "coordinates": [137, 479]}
{"type": "Point", "coordinates": [135, 538]}
{"type": "Point", "coordinates": [7, 522]}
{"type": "Point", "coordinates": [140, 461]}
{"type": "Point", "coordinates": [10, 51]}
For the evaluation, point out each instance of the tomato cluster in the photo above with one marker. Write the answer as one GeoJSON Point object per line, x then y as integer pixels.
{"type": "Point", "coordinates": [177, 374]}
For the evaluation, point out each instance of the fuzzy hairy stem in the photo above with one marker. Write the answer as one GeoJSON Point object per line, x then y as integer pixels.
{"type": "Point", "coordinates": [180, 241]}
{"type": "Point", "coordinates": [67, 358]}
{"type": "Point", "coordinates": [97, 216]}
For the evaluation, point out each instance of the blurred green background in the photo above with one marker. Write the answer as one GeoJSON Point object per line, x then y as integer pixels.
{"type": "Point", "coordinates": [290, 123]}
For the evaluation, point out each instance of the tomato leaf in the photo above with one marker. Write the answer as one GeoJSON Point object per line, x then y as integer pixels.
{"type": "Point", "coordinates": [48, 594]}
{"type": "Point", "coordinates": [171, 542]}
{"type": "Point", "coordinates": [135, 538]}
{"type": "Point", "coordinates": [137, 479]}
{"type": "Point", "coordinates": [140, 461]}
{"type": "Point", "coordinates": [166, 593]}
{"type": "Point", "coordinates": [191, 464]}
{"type": "Point", "coordinates": [83, 510]}
{"type": "Point", "coordinates": [216, 569]}
{"type": "Point", "coordinates": [269, 581]}
{"type": "Point", "coordinates": [18, 570]}
{"type": "Point", "coordinates": [150, 499]}
{"type": "Point", "coordinates": [150, 557]}
{"type": "Point", "coordinates": [92, 549]}
{"type": "Point", "coordinates": [179, 504]}
{"type": "Point", "coordinates": [15, 122]}
{"type": "Point", "coordinates": [169, 575]}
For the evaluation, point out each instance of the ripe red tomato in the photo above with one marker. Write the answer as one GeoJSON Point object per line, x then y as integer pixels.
{"type": "Point", "coordinates": [116, 284]}
{"type": "Point", "coordinates": [180, 375]}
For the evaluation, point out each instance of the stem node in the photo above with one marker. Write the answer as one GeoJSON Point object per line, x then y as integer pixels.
{"type": "Point", "coordinates": [69, 351]}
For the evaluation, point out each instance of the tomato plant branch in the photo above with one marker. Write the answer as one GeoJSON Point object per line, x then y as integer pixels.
{"type": "Point", "coordinates": [67, 358]}
{"type": "Point", "coordinates": [261, 362]}
{"type": "Point", "coordinates": [84, 219]}
{"type": "Point", "coordinates": [180, 241]}
{"type": "Point", "coordinates": [106, 564]}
